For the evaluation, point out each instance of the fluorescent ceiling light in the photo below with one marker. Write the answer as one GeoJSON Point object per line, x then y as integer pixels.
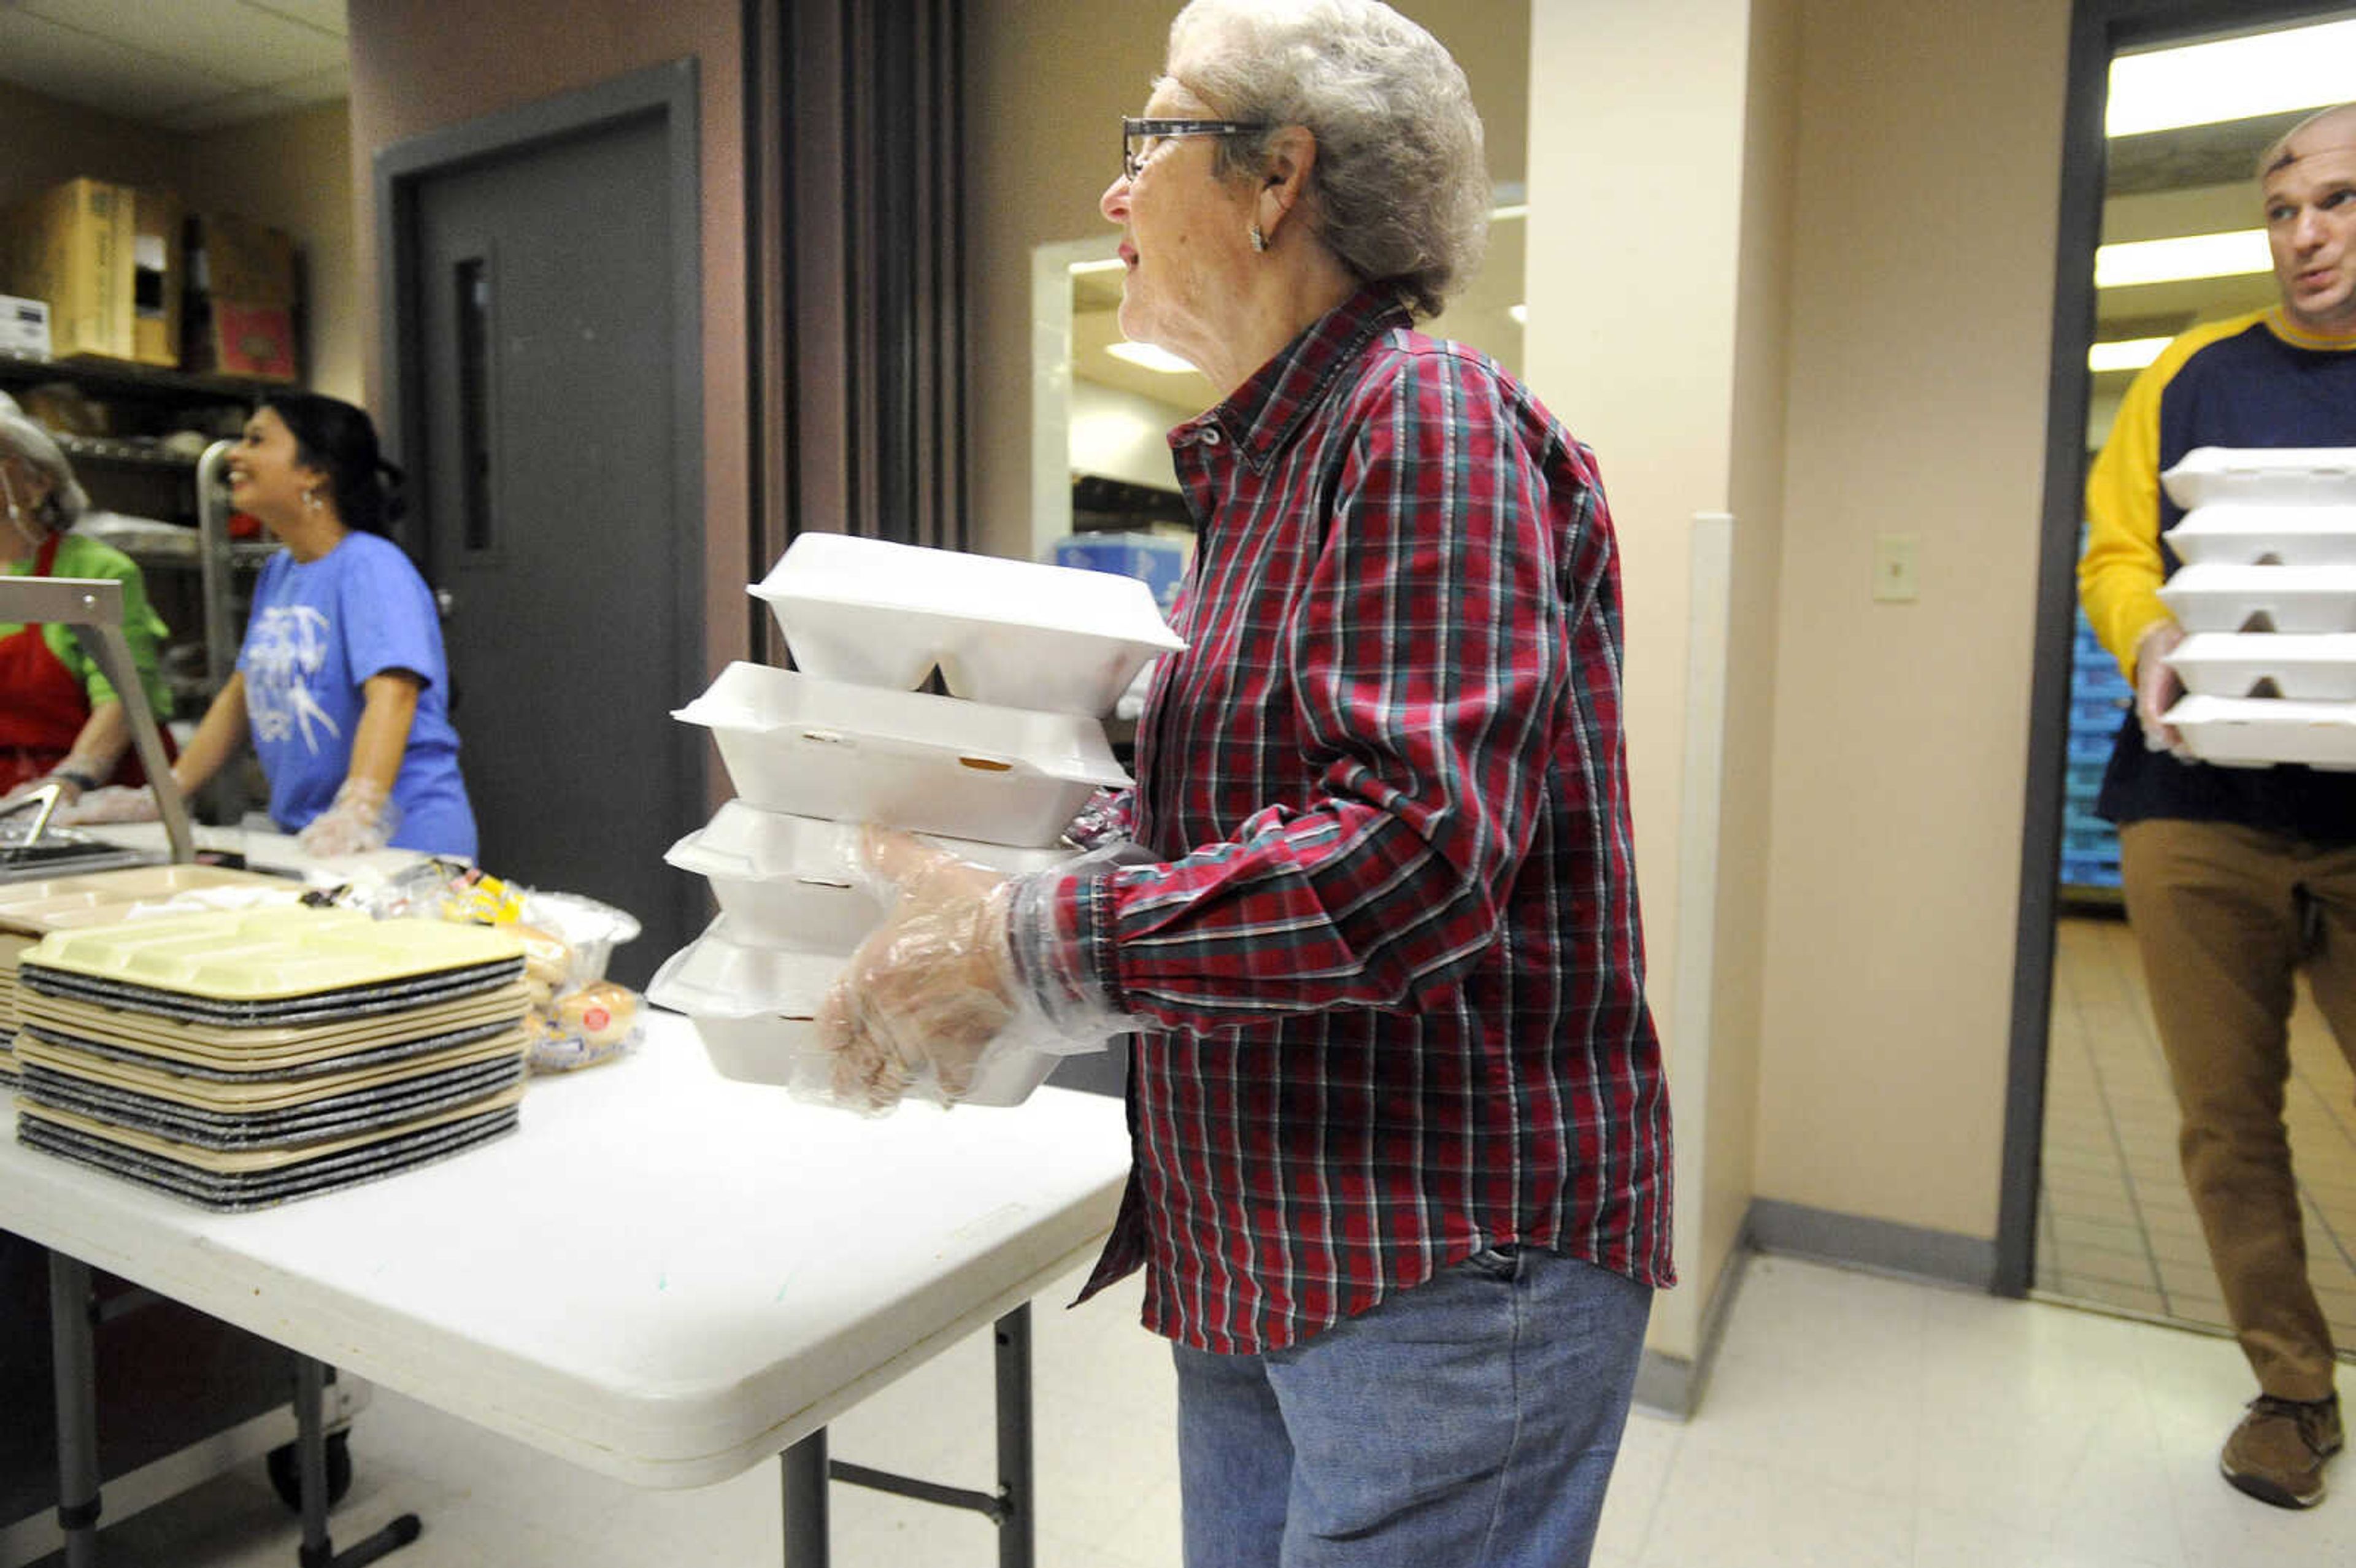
{"type": "Point", "coordinates": [2124, 354]}
{"type": "Point", "coordinates": [1520, 313]}
{"type": "Point", "coordinates": [2234, 79]}
{"type": "Point", "coordinates": [1110, 264]}
{"type": "Point", "coordinates": [2189, 256]}
{"type": "Point", "coordinates": [1150, 357]}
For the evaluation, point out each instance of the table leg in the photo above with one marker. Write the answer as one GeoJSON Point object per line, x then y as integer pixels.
{"type": "Point", "coordinates": [1015, 1483]}
{"type": "Point", "coordinates": [75, 1370]}
{"type": "Point", "coordinates": [805, 1477]}
{"type": "Point", "coordinates": [318, 1550]}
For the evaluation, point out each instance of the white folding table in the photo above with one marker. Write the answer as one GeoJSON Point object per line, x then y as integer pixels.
{"type": "Point", "coordinates": [662, 1276]}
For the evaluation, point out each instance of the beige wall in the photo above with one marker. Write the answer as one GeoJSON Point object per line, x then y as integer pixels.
{"type": "Point", "coordinates": [1038, 163]}
{"type": "Point", "coordinates": [1660, 338]}
{"type": "Point", "coordinates": [48, 140]}
{"type": "Point", "coordinates": [294, 172]}
{"type": "Point", "coordinates": [1926, 192]}
{"type": "Point", "coordinates": [423, 65]}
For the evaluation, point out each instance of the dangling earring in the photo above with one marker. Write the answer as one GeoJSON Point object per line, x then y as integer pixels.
{"type": "Point", "coordinates": [1258, 241]}
{"type": "Point", "coordinates": [310, 500]}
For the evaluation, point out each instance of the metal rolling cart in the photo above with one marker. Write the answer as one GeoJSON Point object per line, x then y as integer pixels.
{"type": "Point", "coordinates": [314, 1469]}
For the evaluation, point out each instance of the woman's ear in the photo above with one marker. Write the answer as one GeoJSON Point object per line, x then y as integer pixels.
{"type": "Point", "coordinates": [1284, 177]}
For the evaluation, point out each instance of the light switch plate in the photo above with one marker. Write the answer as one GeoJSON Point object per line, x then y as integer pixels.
{"type": "Point", "coordinates": [1893, 568]}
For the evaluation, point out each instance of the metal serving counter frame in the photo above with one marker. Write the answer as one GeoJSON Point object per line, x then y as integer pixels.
{"type": "Point", "coordinates": [92, 606]}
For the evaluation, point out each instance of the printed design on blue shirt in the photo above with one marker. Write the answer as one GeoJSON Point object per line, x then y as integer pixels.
{"type": "Point", "coordinates": [286, 647]}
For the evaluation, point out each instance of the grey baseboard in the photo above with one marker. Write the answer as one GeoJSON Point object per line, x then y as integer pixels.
{"type": "Point", "coordinates": [1672, 1385]}
{"type": "Point", "coordinates": [1885, 1246]}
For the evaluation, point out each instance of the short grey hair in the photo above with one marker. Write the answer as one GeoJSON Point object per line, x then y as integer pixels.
{"type": "Point", "coordinates": [1399, 192]}
{"type": "Point", "coordinates": [2277, 156]}
{"type": "Point", "coordinates": [28, 441]}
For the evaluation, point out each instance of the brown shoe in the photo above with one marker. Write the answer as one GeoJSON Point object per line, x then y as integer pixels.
{"type": "Point", "coordinates": [2277, 1453]}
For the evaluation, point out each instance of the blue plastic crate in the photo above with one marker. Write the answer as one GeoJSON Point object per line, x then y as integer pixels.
{"type": "Point", "coordinates": [2104, 680]}
{"type": "Point", "coordinates": [2096, 715]}
{"type": "Point", "coordinates": [2090, 837]}
{"type": "Point", "coordinates": [2086, 777]}
{"type": "Point", "coordinates": [2090, 748]}
{"type": "Point", "coordinates": [2089, 871]}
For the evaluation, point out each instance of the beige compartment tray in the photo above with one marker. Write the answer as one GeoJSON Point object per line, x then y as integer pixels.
{"type": "Point", "coordinates": [98, 898]}
{"type": "Point", "coordinates": [247, 1161]}
{"type": "Point", "coordinates": [259, 1049]}
{"type": "Point", "coordinates": [273, 954]}
{"type": "Point", "coordinates": [216, 1095]}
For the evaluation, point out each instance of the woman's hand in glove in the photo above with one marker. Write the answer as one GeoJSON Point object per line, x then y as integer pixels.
{"type": "Point", "coordinates": [361, 819]}
{"type": "Point", "coordinates": [2157, 688]}
{"type": "Point", "coordinates": [116, 803]}
{"type": "Point", "coordinates": [930, 988]}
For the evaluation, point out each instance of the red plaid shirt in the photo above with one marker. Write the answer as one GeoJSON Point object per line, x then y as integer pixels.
{"type": "Point", "coordinates": [1391, 963]}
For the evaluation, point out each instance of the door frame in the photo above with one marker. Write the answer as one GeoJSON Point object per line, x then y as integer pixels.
{"type": "Point", "coordinates": [667, 92]}
{"type": "Point", "coordinates": [2098, 29]}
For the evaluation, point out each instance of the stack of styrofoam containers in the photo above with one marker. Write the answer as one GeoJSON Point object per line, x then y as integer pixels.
{"type": "Point", "coordinates": [1033, 657]}
{"type": "Point", "coordinates": [2267, 596]}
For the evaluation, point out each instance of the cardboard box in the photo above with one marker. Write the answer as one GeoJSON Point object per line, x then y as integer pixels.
{"type": "Point", "coordinates": [107, 260]}
{"type": "Point", "coordinates": [23, 327]}
{"type": "Point", "coordinates": [241, 298]}
{"type": "Point", "coordinates": [233, 257]}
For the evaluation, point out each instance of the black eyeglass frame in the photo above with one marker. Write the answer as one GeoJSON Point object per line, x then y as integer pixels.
{"type": "Point", "coordinates": [1132, 163]}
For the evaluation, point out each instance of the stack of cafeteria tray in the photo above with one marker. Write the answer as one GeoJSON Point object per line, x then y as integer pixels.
{"type": "Point", "coordinates": [243, 1058]}
{"type": "Point", "coordinates": [31, 910]}
{"type": "Point", "coordinates": [1032, 657]}
{"type": "Point", "coordinates": [2267, 594]}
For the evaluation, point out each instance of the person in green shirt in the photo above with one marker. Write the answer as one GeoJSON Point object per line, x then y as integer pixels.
{"type": "Point", "coordinates": [59, 717]}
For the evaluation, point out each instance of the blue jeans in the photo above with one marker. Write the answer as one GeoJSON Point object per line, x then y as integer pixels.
{"type": "Point", "coordinates": [1468, 1423]}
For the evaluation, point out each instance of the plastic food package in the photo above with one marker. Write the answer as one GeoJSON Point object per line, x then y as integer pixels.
{"type": "Point", "coordinates": [578, 1018]}
{"type": "Point", "coordinates": [807, 746]}
{"type": "Point", "coordinates": [793, 881]}
{"type": "Point", "coordinates": [2239, 533]}
{"type": "Point", "coordinates": [1015, 634]}
{"type": "Point", "coordinates": [2271, 476]}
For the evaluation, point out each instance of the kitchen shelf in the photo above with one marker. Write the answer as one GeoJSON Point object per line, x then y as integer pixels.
{"type": "Point", "coordinates": [19, 369]}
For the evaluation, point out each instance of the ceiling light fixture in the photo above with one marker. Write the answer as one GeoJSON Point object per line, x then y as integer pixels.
{"type": "Point", "coordinates": [2124, 354]}
{"type": "Point", "coordinates": [1150, 358]}
{"type": "Point", "coordinates": [1110, 264]}
{"type": "Point", "coordinates": [2232, 79]}
{"type": "Point", "coordinates": [2232, 255]}
{"type": "Point", "coordinates": [1520, 313]}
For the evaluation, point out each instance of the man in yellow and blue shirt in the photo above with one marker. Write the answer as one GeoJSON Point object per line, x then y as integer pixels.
{"type": "Point", "coordinates": [2236, 877]}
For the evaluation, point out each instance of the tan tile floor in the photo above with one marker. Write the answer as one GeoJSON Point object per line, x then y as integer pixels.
{"type": "Point", "coordinates": [2114, 1227]}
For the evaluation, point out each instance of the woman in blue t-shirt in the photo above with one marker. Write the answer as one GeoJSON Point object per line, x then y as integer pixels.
{"type": "Point", "coordinates": [341, 684]}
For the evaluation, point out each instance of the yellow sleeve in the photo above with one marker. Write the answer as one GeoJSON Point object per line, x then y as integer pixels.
{"type": "Point", "coordinates": [2119, 575]}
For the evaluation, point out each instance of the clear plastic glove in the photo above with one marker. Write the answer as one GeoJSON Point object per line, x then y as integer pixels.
{"type": "Point", "coordinates": [362, 818]}
{"type": "Point", "coordinates": [2158, 689]}
{"type": "Point", "coordinates": [931, 990]}
{"type": "Point", "coordinates": [116, 803]}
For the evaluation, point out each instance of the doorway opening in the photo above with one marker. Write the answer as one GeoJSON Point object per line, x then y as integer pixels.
{"type": "Point", "coordinates": [2096, 1208]}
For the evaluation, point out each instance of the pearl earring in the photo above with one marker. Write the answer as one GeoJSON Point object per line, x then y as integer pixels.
{"type": "Point", "coordinates": [1258, 241]}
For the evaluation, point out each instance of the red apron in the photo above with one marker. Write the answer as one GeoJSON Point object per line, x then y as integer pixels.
{"type": "Point", "coordinates": [42, 706]}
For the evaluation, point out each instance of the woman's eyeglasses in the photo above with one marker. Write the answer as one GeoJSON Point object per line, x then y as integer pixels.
{"type": "Point", "coordinates": [1140, 137]}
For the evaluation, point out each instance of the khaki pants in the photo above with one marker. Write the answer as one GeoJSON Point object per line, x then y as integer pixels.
{"type": "Point", "coordinates": [2224, 915]}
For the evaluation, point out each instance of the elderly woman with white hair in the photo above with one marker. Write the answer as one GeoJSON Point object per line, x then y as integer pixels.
{"type": "Point", "coordinates": [1401, 1168]}
{"type": "Point", "coordinates": [59, 717]}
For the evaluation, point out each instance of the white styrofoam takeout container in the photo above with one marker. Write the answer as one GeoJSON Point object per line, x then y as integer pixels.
{"type": "Point", "coordinates": [2237, 533]}
{"type": "Point", "coordinates": [2270, 476]}
{"type": "Point", "coordinates": [2255, 732]}
{"type": "Point", "coordinates": [931, 765]}
{"type": "Point", "coordinates": [2302, 668]}
{"type": "Point", "coordinates": [1016, 634]}
{"type": "Point", "coordinates": [2209, 597]}
{"type": "Point", "coordinates": [753, 1007]}
{"type": "Point", "coordinates": [796, 881]}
